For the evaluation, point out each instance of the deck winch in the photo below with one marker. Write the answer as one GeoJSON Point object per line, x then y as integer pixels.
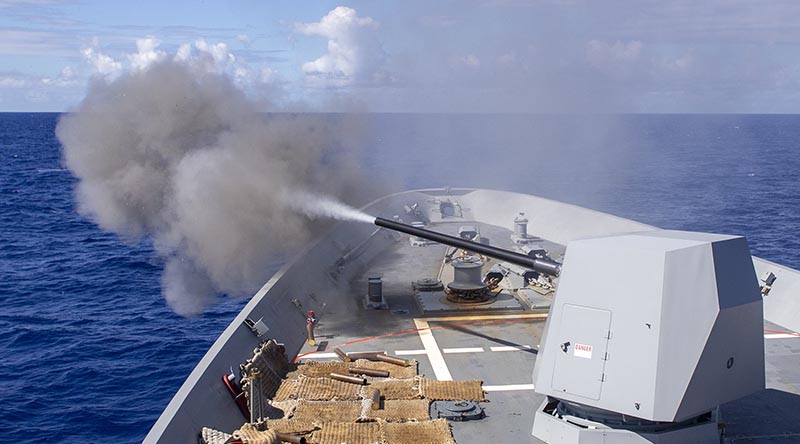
{"type": "Point", "coordinates": [468, 285]}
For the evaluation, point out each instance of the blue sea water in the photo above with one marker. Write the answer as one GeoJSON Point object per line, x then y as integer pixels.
{"type": "Point", "coordinates": [89, 352]}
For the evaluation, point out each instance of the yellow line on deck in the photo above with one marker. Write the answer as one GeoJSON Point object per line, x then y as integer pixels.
{"type": "Point", "coordinates": [484, 317]}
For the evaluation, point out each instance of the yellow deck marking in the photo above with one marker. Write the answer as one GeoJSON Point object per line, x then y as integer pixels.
{"type": "Point", "coordinates": [432, 349]}
{"type": "Point", "coordinates": [484, 317]}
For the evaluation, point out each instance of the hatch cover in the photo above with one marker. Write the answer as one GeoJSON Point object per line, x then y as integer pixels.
{"type": "Point", "coordinates": [583, 340]}
{"type": "Point", "coordinates": [456, 410]}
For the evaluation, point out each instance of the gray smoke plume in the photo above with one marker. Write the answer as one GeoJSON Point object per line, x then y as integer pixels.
{"type": "Point", "coordinates": [316, 205]}
{"type": "Point", "coordinates": [180, 155]}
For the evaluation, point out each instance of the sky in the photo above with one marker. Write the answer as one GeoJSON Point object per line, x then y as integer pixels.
{"type": "Point", "coordinates": [517, 56]}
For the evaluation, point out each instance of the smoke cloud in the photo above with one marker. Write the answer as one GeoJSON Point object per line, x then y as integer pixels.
{"type": "Point", "coordinates": [180, 155]}
{"type": "Point", "coordinates": [315, 205]}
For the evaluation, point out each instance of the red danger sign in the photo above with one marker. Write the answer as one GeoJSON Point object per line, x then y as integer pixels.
{"type": "Point", "coordinates": [583, 351]}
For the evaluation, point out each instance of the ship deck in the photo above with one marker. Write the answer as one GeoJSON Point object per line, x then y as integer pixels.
{"type": "Point", "coordinates": [499, 347]}
{"type": "Point", "coordinates": [496, 343]}
{"type": "Point", "coordinates": [495, 346]}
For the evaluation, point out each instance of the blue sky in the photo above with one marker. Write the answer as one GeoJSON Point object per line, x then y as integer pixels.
{"type": "Point", "coordinates": [421, 56]}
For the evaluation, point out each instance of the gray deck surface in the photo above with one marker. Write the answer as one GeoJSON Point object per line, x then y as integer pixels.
{"type": "Point", "coordinates": [464, 342]}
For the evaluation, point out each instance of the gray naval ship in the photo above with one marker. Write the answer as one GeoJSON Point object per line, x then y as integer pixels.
{"type": "Point", "coordinates": [476, 316]}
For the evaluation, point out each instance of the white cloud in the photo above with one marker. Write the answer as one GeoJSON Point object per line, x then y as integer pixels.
{"type": "Point", "coordinates": [184, 52]}
{"type": "Point", "coordinates": [201, 55]}
{"type": "Point", "coordinates": [354, 53]}
{"type": "Point", "coordinates": [218, 58]}
{"type": "Point", "coordinates": [12, 82]}
{"type": "Point", "coordinates": [337, 23]}
{"type": "Point", "coordinates": [101, 64]}
{"type": "Point", "coordinates": [219, 52]}
{"type": "Point", "coordinates": [680, 65]}
{"type": "Point", "coordinates": [244, 38]}
{"type": "Point", "coordinates": [147, 53]}
{"type": "Point", "coordinates": [602, 53]}
{"type": "Point", "coordinates": [468, 61]}
{"type": "Point", "coordinates": [618, 60]}
{"type": "Point", "coordinates": [437, 21]}
{"type": "Point", "coordinates": [267, 74]}
{"type": "Point", "coordinates": [508, 58]}
{"type": "Point", "coordinates": [65, 78]}
{"type": "Point", "coordinates": [67, 72]}
{"type": "Point", "coordinates": [210, 57]}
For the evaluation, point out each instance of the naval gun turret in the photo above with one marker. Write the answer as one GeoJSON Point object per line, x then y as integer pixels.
{"type": "Point", "coordinates": [645, 354]}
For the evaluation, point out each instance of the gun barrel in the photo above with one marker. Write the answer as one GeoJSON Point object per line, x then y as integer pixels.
{"type": "Point", "coordinates": [541, 265]}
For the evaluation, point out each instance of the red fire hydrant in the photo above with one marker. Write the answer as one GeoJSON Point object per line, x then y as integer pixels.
{"type": "Point", "coordinates": [311, 322]}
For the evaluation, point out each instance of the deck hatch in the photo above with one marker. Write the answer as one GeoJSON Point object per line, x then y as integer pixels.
{"type": "Point", "coordinates": [583, 338]}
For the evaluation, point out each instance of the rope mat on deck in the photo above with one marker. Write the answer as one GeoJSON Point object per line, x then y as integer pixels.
{"type": "Point", "coordinates": [249, 434]}
{"type": "Point", "coordinates": [400, 410]}
{"type": "Point", "coordinates": [349, 433]}
{"type": "Point", "coordinates": [317, 369]}
{"type": "Point", "coordinates": [304, 400]}
{"type": "Point", "coordinates": [284, 408]}
{"type": "Point", "coordinates": [327, 389]}
{"type": "Point", "coordinates": [319, 412]}
{"type": "Point", "coordinates": [287, 391]}
{"type": "Point", "coordinates": [423, 432]}
{"type": "Point", "coordinates": [394, 388]}
{"type": "Point", "coordinates": [452, 390]}
{"type": "Point", "coordinates": [324, 411]}
{"type": "Point", "coordinates": [395, 371]}
{"type": "Point", "coordinates": [293, 426]}
{"type": "Point", "coordinates": [264, 372]}
{"type": "Point", "coordinates": [211, 436]}
{"type": "Point", "coordinates": [436, 431]}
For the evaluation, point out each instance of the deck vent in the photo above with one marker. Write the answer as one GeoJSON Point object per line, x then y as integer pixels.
{"type": "Point", "coordinates": [375, 293]}
{"type": "Point", "coordinates": [375, 289]}
{"type": "Point", "coordinates": [521, 226]}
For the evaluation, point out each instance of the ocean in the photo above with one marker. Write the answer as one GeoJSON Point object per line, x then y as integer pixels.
{"type": "Point", "coordinates": [89, 352]}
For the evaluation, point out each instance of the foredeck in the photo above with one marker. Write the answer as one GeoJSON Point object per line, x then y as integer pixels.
{"type": "Point", "coordinates": [497, 347]}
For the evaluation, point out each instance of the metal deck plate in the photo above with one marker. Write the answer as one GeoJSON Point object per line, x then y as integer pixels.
{"type": "Point", "coordinates": [436, 302]}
